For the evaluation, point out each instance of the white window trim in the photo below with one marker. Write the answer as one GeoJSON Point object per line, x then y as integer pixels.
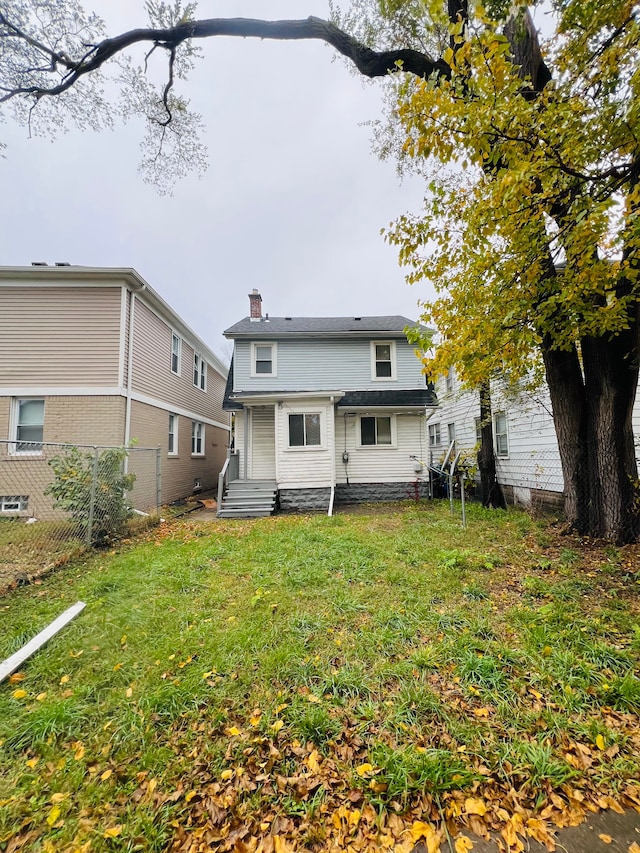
{"type": "Point", "coordinates": [437, 427]}
{"type": "Point", "coordinates": [274, 358]}
{"type": "Point", "coordinates": [306, 448]}
{"type": "Point", "coordinates": [12, 448]}
{"type": "Point", "coordinates": [394, 434]}
{"type": "Point", "coordinates": [202, 371]}
{"type": "Point", "coordinates": [496, 415]}
{"type": "Point", "coordinates": [449, 380]}
{"type": "Point", "coordinates": [202, 452]}
{"type": "Point", "coordinates": [21, 500]}
{"type": "Point", "coordinates": [392, 353]}
{"type": "Point", "coordinates": [449, 437]}
{"type": "Point", "coordinates": [173, 452]}
{"type": "Point", "coordinates": [177, 372]}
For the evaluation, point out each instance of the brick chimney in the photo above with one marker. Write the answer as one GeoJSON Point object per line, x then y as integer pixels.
{"type": "Point", "coordinates": [255, 305]}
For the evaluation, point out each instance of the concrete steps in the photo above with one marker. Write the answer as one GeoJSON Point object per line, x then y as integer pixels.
{"type": "Point", "coordinates": [249, 499]}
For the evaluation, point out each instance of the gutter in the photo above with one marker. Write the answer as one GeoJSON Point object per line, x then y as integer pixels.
{"type": "Point", "coordinates": [129, 386]}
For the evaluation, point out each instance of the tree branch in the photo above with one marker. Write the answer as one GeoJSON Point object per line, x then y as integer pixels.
{"type": "Point", "coordinates": [369, 62]}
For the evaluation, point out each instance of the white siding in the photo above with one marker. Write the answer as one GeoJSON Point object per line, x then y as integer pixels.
{"type": "Point", "coordinates": [323, 365]}
{"type": "Point", "coordinates": [533, 461]}
{"type": "Point", "coordinates": [380, 464]}
{"type": "Point", "coordinates": [305, 467]}
{"type": "Point", "coordinates": [263, 454]}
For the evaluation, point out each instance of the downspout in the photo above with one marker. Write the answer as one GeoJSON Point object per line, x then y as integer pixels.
{"type": "Point", "coordinates": [333, 459]}
{"type": "Point", "coordinates": [246, 440]}
{"type": "Point", "coordinates": [127, 417]}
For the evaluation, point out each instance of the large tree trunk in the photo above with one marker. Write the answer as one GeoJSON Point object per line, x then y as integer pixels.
{"type": "Point", "coordinates": [492, 495]}
{"type": "Point", "coordinates": [566, 389]}
{"type": "Point", "coordinates": [592, 417]}
{"type": "Point", "coordinates": [611, 380]}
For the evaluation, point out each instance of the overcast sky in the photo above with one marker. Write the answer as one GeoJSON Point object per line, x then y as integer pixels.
{"type": "Point", "coordinates": [292, 203]}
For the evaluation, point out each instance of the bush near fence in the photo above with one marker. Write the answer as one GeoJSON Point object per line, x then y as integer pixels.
{"type": "Point", "coordinates": [57, 499]}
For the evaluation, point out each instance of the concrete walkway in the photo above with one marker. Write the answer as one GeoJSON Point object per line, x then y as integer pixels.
{"type": "Point", "coordinates": [623, 830]}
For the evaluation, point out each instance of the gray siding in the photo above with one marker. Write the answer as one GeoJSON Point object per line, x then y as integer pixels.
{"type": "Point", "coordinates": [320, 365]}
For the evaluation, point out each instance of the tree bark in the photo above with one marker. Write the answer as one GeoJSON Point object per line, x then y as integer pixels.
{"type": "Point", "coordinates": [492, 495]}
{"type": "Point", "coordinates": [567, 393]}
{"type": "Point", "coordinates": [611, 380]}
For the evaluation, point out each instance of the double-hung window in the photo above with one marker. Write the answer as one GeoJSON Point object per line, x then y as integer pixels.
{"type": "Point", "coordinates": [29, 426]}
{"type": "Point", "coordinates": [263, 359]}
{"type": "Point", "coordinates": [199, 372]}
{"type": "Point", "coordinates": [451, 433]}
{"type": "Point", "coordinates": [176, 354]}
{"type": "Point", "coordinates": [375, 430]}
{"type": "Point", "coordinates": [449, 380]}
{"type": "Point", "coordinates": [434, 435]}
{"type": "Point", "coordinates": [197, 438]}
{"type": "Point", "coordinates": [304, 430]}
{"type": "Point", "coordinates": [383, 364]}
{"type": "Point", "coordinates": [172, 442]}
{"type": "Point", "coordinates": [500, 431]}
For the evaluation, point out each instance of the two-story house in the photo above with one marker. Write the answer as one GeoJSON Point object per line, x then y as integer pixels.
{"type": "Point", "coordinates": [327, 409]}
{"type": "Point", "coordinates": [94, 356]}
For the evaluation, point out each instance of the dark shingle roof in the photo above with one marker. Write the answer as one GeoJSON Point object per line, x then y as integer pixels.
{"type": "Point", "coordinates": [401, 397]}
{"type": "Point", "coordinates": [276, 326]}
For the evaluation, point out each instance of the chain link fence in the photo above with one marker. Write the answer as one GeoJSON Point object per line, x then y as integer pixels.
{"type": "Point", "coordinates": [56, 500]}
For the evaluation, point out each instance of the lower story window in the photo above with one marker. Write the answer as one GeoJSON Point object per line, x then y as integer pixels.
{"type": "Point", "coordinates": [304, 430]}
{"type": "Point", "coordinates": [172, 443]}
{"type": "Point", "coordinates": [29, 426]}
{"type": "Point", "coordinates": [500, 429]}
{"type": "Point", "coordinates": [434, 435]}
{"type": "Point", "coordinates": [375, 430]}
{"type": "Point", "coordinates": [14, 503]}
{"type": "Point", "coordinates": [197, 438]}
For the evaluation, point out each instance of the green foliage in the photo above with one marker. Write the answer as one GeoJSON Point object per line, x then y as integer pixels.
{"type": "Point", "coordinates": [92, 487]}
{"type": "Point", "coordinates": [530, 230]}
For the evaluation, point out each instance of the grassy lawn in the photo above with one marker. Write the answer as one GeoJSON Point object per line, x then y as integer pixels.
{"type": "Point", "coordinates": [27, 550]}
{"type": "Point", "coordinates": [298, 683]}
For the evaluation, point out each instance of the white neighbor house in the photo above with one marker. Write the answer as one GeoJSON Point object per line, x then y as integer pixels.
{"type": "Point", "coordinates": [326, 409]}
{"type": "Point", "coordinates": [527, 458]}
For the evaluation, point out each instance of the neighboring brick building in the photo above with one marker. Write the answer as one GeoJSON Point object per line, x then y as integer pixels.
{"type": "Point", "coordinates": [95, 356]}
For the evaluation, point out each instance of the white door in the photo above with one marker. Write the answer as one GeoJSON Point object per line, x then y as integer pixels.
{"type": "Point", "coordinates": [263, 450]}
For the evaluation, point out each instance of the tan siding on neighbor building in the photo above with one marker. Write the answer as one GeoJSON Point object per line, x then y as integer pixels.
{"type": "Point", "coordinates": [62, 336]}
{"type": "Point", "coordinates": [152, 374]}
{"type": "Point", "coordinates": [150, 428]}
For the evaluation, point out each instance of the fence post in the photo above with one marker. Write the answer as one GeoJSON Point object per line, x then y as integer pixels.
{"type": "Point", "coordinates": [158, 478]}
{"type": "Point", "coordinates": [92, 498]}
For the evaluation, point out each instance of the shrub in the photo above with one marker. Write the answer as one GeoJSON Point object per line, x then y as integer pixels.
{"type": "Point", "coordinates": [92, 486]}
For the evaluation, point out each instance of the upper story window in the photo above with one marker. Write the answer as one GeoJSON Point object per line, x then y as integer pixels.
{"type": "Point", "coordinates": [434, 435]}
{"type": "Point", "coordinates": [383, 359]}
{"type": "Point", "coordinates": [263, 359]}
{"type": "Point", "coordinates": [500, 430]}
{"type": "Point", "coordinates": [375, 431]}
{"type": "Point", "coordinates": [28, 431]}
{"type": "Point", "coordinates": [176, 353]}
{"type": "Point", "coordinates": [449, 379]}
{"type": "Point", "coordinates": [199, 372]}
{"type": "Point", "coordinates": [304, 430]}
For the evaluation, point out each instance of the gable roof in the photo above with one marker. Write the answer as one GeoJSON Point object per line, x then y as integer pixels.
{"type": "Point", "coordinates": [391, 326]}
